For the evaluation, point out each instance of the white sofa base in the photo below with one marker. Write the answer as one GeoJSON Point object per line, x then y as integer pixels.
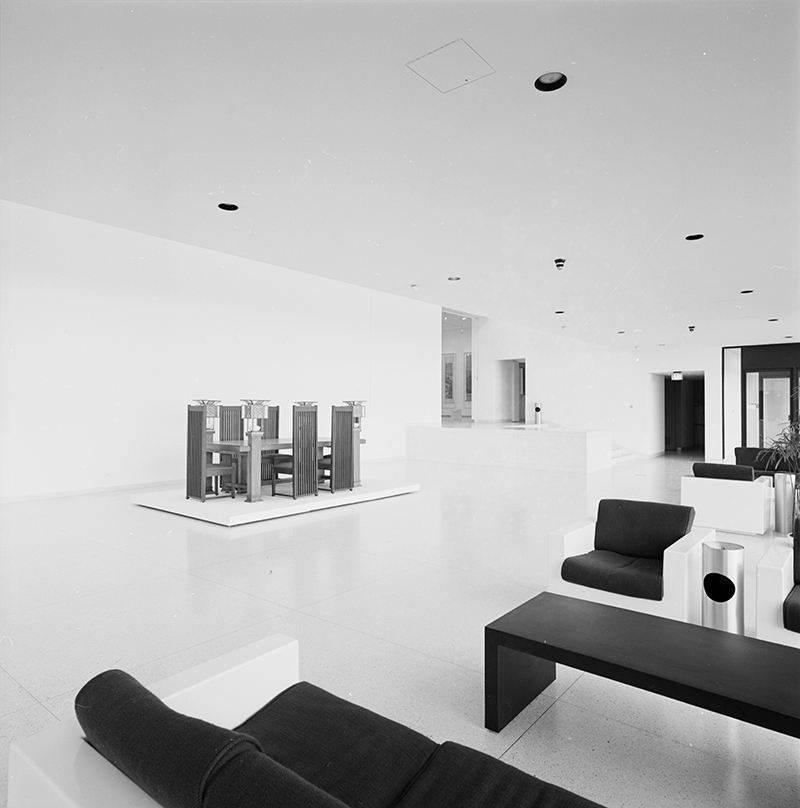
{"type": "Point", "coordinates": [774, 581]}
{"type": "Point", "coordinates": [56, 768]}
{"type": "Point", "coordinates": [683, 562]}
{"type": "Point", "coordinates": [739, 506]}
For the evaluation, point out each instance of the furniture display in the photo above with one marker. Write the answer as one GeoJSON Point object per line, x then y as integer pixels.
{"type": "Point", "coordinates": [301, 465]}
{"type": "Point", "coordinates": [338, 467]}
{"type": "Point", "coordinates": [723, 586]}
{"type": "Point", "coordinates": [738, 502]}
{"type": "Point", "coordinates": [242, 731]}
{"type": "Point", "coordinates": [637, 555]}
{"type": "Point", "coordinates": [762, 466]}
{"type": "Point", "coordinates": [199, 469]}
{"type": "Point", "coordinates": [778, 593]}
{"type": "Point", "coordinates": [741, 677]}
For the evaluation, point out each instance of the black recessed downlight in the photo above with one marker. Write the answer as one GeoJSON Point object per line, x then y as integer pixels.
{"type": "Point", "coordinates": [559, 312]}
{"type": "Point", "coordinates": [773, 320]}
{"type": "Point", "coordinates": [620, 332]}
{"type": "Point", "coordinates": [548, 82]}
{"type": "Point", "coordinates": [454, 278]}
{"type": "Point", "coordinates": [694, 237]}
{"type": "Point", "coordinates": [746, 292]}
{"type": "Point", "coordinates": [227, 206]}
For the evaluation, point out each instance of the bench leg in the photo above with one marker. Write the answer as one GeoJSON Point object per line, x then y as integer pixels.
{"type": "Point", "coordinates": [513, 679]}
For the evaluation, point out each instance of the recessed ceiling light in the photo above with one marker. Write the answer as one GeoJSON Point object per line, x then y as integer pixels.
{"type": "Point", "coordinates": [790, 337]}
{"type": "Point", "coordinates": [415, 287]}
{"type": "Point", "coordinates": [773, 320]}
{"type": "Point", "coordinates": [694, 237]}
{"type": "Point", "coordinates": [559, 312]}
{"type": "Point", "coordinates": [746, 292]}
{"type": "Point", "coordinates": [662, 344]}
{"type": "Point", "coordinates": [454, 278]}
{"type": "Point", "coordinates": [548, 82]}
{"type": "Point", "coordinates": [226, 206]}
{"type": "Point", "coordinates": [620, 332]}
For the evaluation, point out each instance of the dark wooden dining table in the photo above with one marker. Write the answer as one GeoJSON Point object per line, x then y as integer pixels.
{"type": "Point", "coordinates": [252, 447]}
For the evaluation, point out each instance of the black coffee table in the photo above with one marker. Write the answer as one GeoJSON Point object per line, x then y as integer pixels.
{"type": "Point", "coordinates": [752, 680]}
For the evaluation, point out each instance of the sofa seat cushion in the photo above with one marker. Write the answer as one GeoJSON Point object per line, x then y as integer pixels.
{"type": "Point", "coordinates": [350, 752]}
{"type": "Point", "coordinates": [723, 471]}
{"type": "Point", "coordinates": [791, 609]}
{"type": "Point", "coordinates": [254, 780]}
{"type": "Point", "coordinates": [171, 756]}
{"type": "Point", "coordinates": [613, 572]}
{"type": "Point", "coordinates": [640, 529]}
{"type": "Point", "coordinates": [463, 777]}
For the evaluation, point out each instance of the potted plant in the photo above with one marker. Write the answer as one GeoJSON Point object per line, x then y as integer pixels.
{"type": "Point", "coordinates": [784, 453]}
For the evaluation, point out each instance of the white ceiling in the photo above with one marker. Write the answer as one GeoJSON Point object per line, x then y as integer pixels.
{"type": "Point", "coordinates": [678, 117]}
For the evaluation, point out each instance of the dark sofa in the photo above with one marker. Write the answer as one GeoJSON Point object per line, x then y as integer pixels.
{"type": "Point", "coordinates": [629, 542]}
{"type": "Point", "coordinates": [763, 466]}
{"type": "Point", "coordinates": [305, 749]}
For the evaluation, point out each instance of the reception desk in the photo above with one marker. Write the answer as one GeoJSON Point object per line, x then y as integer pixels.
{"type": "Point", "coordinates": [511, 445]}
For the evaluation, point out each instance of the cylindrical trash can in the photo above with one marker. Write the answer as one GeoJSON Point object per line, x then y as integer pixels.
{"type": "Point", "coordinates": [784, 502]}
{"type": "Point", "coordinates": [537, 413]}
{"type": "Point", "coordinates": [723, 586]}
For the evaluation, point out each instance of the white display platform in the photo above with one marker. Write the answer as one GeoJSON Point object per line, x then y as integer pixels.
{"type": "Point", "coordinates": [743, 506]}
{"type": "Point", "coordinates": [529, 446]}
{"type": "Point", "coordinates": [231, 512]}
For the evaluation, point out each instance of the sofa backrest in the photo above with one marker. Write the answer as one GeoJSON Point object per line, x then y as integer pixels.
{"type": "Point", "coordinates": [640, 529]}
{"type": "Point", "coordinates": [749, 456]}
{"type": "Point", "coordinates": [723, 471]}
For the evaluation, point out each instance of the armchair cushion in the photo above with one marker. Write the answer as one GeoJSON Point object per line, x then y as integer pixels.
{"type": "Point", "coordinates": [640, 529]}
{"type": "Point", "coordinates": [723, 471]}
{"type": "Point", "coordinates": [612, 572]}
{"type": "Point", "coordinates": [791, 609]}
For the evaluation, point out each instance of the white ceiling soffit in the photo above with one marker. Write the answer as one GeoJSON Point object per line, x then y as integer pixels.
{"type": "Point", "coordinates": [452, 66]}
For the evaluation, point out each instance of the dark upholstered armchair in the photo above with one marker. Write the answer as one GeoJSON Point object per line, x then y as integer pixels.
{"type": "Point", "coordinates": [643, 556]}
{"type": "Point", "coordinates": [763, 466]}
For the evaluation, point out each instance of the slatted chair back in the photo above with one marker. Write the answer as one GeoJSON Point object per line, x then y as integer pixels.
{"type": "Point", "coordinates": [342, 469]}
{"type": "Point", "coordinates": [304, 450]}
{"type": "Point", "coordinates": [231, 424]}
{"type": "Point", "coordinates": [231, 427]}
{"type": "Point", "coordinates": [196, 452]}
{"type": "Point", "coordinates": [270, 430]}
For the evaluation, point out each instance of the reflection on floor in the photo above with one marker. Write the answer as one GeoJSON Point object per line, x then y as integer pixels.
{"type": "Point", "coordinates": [389, 600]}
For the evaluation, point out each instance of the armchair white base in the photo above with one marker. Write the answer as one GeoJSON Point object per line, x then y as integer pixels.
{"type": "Point", "coordinates": [56, 768]}
{"type": "Point", "coordinates": [683, 563]}
{"type": "Point", "coordinates": [774, 581]}
{"type": "Point", "coordinates": [739, 506]}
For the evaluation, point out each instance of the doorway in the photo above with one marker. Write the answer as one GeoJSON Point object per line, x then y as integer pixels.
{"type": "Point", "coordinates": [684, 413]}
{"type": "Point", "coordinates": [518, 391]}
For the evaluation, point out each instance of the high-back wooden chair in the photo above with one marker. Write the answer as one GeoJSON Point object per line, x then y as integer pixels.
{"type": "Point", "coordinates": [198, 467]}
{"type": "Point", "coordinates": [337, 467]}
{"type": "Point", "coordinates": [270, 430]}
{"type": "Point", "coordinates": [301, 465]}
{"type": "Point", "coordinates": [231, 427]}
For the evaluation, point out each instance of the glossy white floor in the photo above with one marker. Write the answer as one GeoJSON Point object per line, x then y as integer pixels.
{"type": "Point", "coordinates": [389, 600]}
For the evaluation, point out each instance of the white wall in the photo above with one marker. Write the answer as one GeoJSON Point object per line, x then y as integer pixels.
{"type": "Point", "coordinates": [106, 335]}
{"type": "Point", "coordinates": [579, 386]}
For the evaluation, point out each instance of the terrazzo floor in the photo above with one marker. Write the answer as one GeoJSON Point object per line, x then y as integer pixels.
{"type": "Point", "coordinates": [388, 600]}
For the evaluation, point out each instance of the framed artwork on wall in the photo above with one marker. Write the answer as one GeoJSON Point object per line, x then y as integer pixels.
{"type": "Point", "coordinates": [448, 379]}
{"type": "Point", "coordinates": [467, 377]}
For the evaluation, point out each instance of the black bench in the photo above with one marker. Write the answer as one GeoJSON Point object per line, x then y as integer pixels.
{"type": "Point", "coordinates": [752, 680]}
